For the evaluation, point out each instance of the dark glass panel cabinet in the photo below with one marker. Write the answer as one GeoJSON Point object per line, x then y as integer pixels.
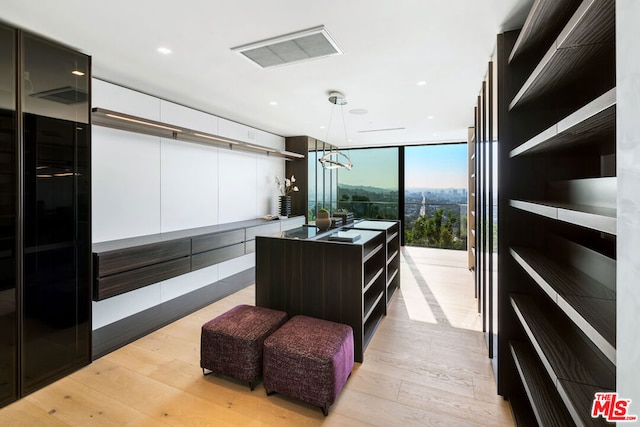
{"type": "Point", "coordinates": [8, 225]}
{"type": "Point", "coordinates": [48, 272]}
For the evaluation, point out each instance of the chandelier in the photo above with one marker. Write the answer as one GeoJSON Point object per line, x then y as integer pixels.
{"type": "Point", "coordinates": [334, 158]}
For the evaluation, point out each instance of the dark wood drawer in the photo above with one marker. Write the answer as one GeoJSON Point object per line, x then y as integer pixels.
{"type": "Point", "coordinates": [205, 259]}
{"type": "Point", "coordinates": [108, 263]}
{"type": "Point", "coordinates": [216, 240]}
{"type": "Point", "coordinates": [116, 284]}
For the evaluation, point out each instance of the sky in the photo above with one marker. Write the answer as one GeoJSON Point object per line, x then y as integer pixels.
{"type": "Point", "coordinates": [373, 168]}
{"type": "Point", "coordinates": [427, 166]}
{"type": "Point", "coordinates": [436, 166]}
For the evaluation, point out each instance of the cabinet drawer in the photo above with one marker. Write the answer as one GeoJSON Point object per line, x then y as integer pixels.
{"type": "Point", "coordinates": [205, 259]}
{"type": "Point", "coordinates": [119, 283]}
{"type": "Point", "coordinates": [141, 256]}
{"type": "Point", "coordinates": [216, 240]}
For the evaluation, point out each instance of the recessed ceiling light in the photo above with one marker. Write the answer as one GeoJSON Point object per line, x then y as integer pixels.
{"type": "Point", "coordinates": [322, 127]}
{"type": "Point", "coordinates": [77, 73]}
{"type": "Point", "coordinates": [422, 83]}
{"type": "Point", "coordinates": [429, 117]}
{"type": "Point", "coordinates": [274, 103]}
{"type": "Point", "coordinates": [164, 50]}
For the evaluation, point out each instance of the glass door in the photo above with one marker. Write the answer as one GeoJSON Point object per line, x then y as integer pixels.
{"type": "Point", "coordinates": [8, 218]}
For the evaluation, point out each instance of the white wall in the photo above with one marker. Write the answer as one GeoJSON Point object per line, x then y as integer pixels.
{"type": "Point", "coordinates": [147, 185]}
{"type": "Point", "coordinates": [628, 172]}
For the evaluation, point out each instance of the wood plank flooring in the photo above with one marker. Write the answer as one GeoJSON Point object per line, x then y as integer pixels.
{"type": "Point", "coordinates": [427, 365]}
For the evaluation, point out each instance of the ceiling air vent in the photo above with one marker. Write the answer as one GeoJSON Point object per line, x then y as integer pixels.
{"type": "Point", "coordinates": [294, 47]}
{"type": "Point", "coordinates": [65, 95]}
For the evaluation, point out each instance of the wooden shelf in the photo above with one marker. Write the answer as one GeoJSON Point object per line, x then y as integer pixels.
{"type": "Point", "coordinates": [582, 397]}
{"type": "Point", "coordinates": [373, 280]}
{"type": "Point", "coordinates": [374, 317]}
{"type": "Point", "coordinates": [567, 354]}
{"type": "Point", "coordinates": [392, 276]}
{"type": "Point", "coordinates": [547, 405]}
{"type": "Point", "coordinates": [587, 302]}
{"type": "Point", "coordinates": [370, 309]}
{"type": "Point", "coordinates": [545, 17]}
{"type": "Point", "coordinates": [392, 257]}
{"type": "Point", "coordinates": [589, 32]}
{"type": "Point", "coordinates": [568, 358]}
{"type": "Point", "coordinates": [129, 123]}
{"type": "Point", "coordinates": [369, 253]}
{"type": "Point", "coordinates": [593, 217]}
{"type": "Point", "coordinates": [593, 120]}
{"type": "Point", "coordinates": [521, 411]}
{"type": "Point", "coordinates": [392, 251]}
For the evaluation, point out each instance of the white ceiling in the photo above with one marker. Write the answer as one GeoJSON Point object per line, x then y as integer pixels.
{"type": "Point", "coordinates": [389, 46]}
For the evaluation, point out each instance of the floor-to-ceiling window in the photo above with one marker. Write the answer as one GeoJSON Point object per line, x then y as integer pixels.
{"type": "Point", "coordinates": [371, 188]}
{"type": "Point", "coordinates": [435, 196]}
{"type": "Point", "coordinates": [322, 182]}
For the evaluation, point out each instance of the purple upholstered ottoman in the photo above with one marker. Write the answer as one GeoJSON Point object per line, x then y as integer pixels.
{"type": "Point", "coordinates": [231, 344]}
{"type": "Point", "coordinates": [308, 359]}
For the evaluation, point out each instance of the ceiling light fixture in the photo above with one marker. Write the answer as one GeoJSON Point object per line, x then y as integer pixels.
{"type": "Point", "coordinates": [422, 83]}
{"type": "Point", "coordinates": [77, 73]}
{"type": "Point", "coordinates": [334, 158]}
{"type": "Point", "coordinates": [164, 50]}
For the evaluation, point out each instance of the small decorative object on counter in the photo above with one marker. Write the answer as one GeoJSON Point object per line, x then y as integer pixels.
{"type": "Point", "coordinates": [323, 222]}
{"type": "Point", "coordinates": [286, 188]}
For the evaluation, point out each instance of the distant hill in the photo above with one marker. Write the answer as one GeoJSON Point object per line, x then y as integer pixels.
{"type": "Point", "coordinates": [366, 188]}
{"type": "Point", "coordinates": [432, 190]}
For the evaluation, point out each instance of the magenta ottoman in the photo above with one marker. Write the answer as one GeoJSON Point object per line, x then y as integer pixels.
{"type": "Point", "coordinates": [308, 359]}
{"type": "Point", "coordinates": [231, 344]}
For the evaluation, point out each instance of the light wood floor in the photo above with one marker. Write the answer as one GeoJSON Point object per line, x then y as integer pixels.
{"type": "Point", "coordinates": [426, 365]}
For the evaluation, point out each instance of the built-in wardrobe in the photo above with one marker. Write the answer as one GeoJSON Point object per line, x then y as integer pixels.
{"type": "Point", "coordinates": [45, 216]}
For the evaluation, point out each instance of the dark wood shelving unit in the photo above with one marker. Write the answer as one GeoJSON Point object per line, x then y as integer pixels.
{"type": "Point", "coordinates": [591, 122]}
{"type": "Point", "coordinates": [594, 217]}
{"type": "Point", "coordinates": [392, 250]}
{"type": "Point", "coordinates": [557, 211]}
{"type": "Point", "coordinates": [546, 403]}
{"type": "Point", "coordinates": [584, 37]}
{"type": "Point", "coordinates": [344, 282]}
{"type": "Point", "coordinates": [570, 360]}
{"type": "Point", "coordinates": [546, 17]}
{"type": "Point", "coordinates": [589, 304]}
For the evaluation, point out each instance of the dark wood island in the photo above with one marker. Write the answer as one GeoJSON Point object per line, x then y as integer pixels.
{"type": "Point", "coordinates": [326, 275]}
